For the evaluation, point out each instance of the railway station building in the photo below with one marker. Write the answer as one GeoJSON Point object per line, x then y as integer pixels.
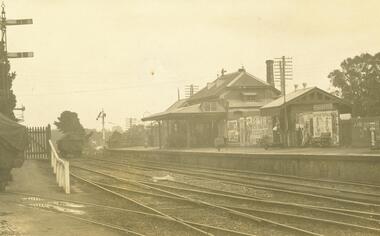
{"type": "Point", "coordinates": [215, 111]}
{"type": "Point", "coordinates": [243, 110]}
{"type": "Point", "coordinates": [311, 114]}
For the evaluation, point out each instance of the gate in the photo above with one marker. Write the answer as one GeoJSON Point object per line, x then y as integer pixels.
{"type": "Point", "coordinates": [38, 143]}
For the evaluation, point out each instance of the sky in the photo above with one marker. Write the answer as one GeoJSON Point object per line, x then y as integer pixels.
{"type": "Point", "coordinates": [129, 57]}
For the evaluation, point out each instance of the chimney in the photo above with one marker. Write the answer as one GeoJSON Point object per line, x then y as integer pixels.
{"type": "Point", "coordinates": [242, 69]}
{"type": "Point", "coordinates": [270, 75]}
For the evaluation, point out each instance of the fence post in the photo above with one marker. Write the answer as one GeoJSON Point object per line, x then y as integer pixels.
{"type": "Point", "coordinates": [57, 175]}
{"type": "Point", "coordinates": [51, 159]}
{"type": "Point", "coordinates": [67, 177]}
{"type": "Point", "coordinates": [48, 137]}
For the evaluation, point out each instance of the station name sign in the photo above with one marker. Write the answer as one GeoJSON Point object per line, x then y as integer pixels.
{"type": "Point", "coordinates": [323, 107]}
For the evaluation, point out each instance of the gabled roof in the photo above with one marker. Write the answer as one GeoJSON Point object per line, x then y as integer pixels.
{"type": "Point", "coordinates": [184, 112]}
{"type": "Point", "coordinates": [173, 107]}
{"type": "Point", "coordinates": [247, 80]}
{"type": "Point", "coordinates": [217, 87]}
{"type": "Point", "coordinates": [297, 94]}
{"type": "Point", "coordinates": [177, 104]}
{"type": "Point", "coordinates": [232, 80]}
{"type": "Point", "coordinates": [289, 97]}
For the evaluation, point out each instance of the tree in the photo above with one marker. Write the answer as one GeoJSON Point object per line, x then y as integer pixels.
{"type": "Point", "coordinates": [68, 122]}
{"type": "Point", "coordinates": [74, 138]}
{"type": "Point", "coordinates": [115, 140]}
{"type": "Point", "coordinates": [135, 136]}
{"type": "Point", "coordinates": [7, 97]}
{"type": "Point", "coordinates": [358, 81]}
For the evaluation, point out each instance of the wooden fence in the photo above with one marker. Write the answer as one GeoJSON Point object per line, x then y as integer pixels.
{"type": "Point", "coordinates": [61, 169]}
{"type": "Point", "coordinates": [39, 147]}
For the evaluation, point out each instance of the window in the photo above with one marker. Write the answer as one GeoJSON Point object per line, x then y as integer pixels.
{"type": "Point", "coordinates": [250, 98]}
{"type": "Point", "coordinates": [209, 106]}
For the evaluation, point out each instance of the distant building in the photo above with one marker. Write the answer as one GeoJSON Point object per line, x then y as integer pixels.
{"type": "Point", "coordinates": [129, 122]}
{"type": "Point", "coordinates": [117, 128]}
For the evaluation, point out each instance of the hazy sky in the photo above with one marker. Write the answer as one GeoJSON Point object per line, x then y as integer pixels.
{"type": "Point", "coordinates": [92, 54]}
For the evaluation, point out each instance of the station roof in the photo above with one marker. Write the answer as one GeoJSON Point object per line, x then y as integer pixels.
{"type": "Point", "coordinates": [185, 112]}
{"type": "Point", "coordinates": [238, 79]}
{"type": "Point", "coordinates": [288, 98]}
{"type": "Point", "coordinates": [295, 96]}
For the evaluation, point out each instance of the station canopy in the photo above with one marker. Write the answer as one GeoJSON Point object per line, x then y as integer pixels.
{"type": "Point", "coordinates": [13, 134]}
{"type": "Point", "coordinates": [179, 110]}
{"type": "Point", "coordinates": [312, 95]}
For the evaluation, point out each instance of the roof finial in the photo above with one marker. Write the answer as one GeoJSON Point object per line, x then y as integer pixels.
{"type": "Point", "coordinates": [223, 71]}
{"type": "Point", "coordinates": [295, 87]}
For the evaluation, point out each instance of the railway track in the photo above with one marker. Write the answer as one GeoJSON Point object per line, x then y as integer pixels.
{"type": "Point", "coordinates": [168, 225]}
{"type": "Point", "coordinates": [267, 211]}
{"type": "Point", "coordinates": [338, 185]}
{"type": "Point", "coordinates": [366, 192]}
{"type": "Point", "coordinates": [322, 199]}
{"type": "Point", "coordinates": [200, 211]}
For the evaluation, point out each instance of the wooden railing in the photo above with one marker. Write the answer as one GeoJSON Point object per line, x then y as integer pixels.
{"type": "Point", "coordinates": [61, 169]}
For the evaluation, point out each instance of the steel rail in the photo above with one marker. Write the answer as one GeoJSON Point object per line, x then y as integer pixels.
{"type": "Point", "coordinates": [142, 205]}
{"type": "Point", "coordinates": [133, 211]}
{"type": "Point", "coordinates": [239, 183]}
{"type": "Point", "coordinates": [248, 216]}
{"type": "Point", "coordinates": [263, 173]}
{"type": "Point", "coordinates": [344, 212]}
{"type": "Point", "coordinates": [268, 180]}
{"type": "Point", "coordinates": [276, 189]}
{"type": "Point", "coordinates": [260, 211]}
{"type": "Point", "coordinates": [178, 170]}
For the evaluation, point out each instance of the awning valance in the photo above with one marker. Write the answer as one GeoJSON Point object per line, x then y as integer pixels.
{"type": "Point", "coordinates": [248, 93]}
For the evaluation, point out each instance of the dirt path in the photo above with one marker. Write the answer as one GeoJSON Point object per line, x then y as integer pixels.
{"type": "Point", "coordinates": [21, 215]}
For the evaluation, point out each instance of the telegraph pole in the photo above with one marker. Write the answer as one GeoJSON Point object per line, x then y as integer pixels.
{"type": "Point", "coordinates": [102, 115]}
{"type": "Point", "coordinates": [5, 77]}
{"type": "Point", "coordinates": [190, 90]}
{"type": "Point", "coordinates": [283, 72]}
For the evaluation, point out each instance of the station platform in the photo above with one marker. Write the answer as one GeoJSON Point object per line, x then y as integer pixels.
{"type": "Point", "coordinates": [359, 165]}
{"type": "Point", "coordinates": [328, 151]}
{"type": "Point", "coordinates": [22, 214]}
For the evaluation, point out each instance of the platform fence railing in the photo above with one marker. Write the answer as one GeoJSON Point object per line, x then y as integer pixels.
{"type": "Point", "coordinates": [61, 169]}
